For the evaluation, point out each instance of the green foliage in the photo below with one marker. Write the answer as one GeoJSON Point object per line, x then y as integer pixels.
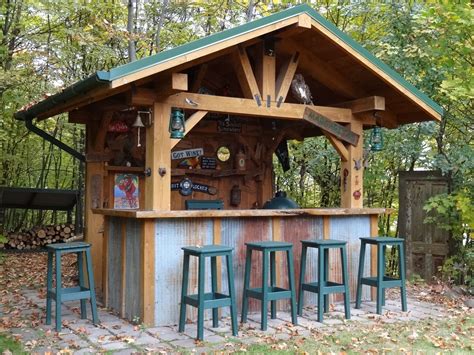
{"type": "Point", "coordinates": [9, 345]}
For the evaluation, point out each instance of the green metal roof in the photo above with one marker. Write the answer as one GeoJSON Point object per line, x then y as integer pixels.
{"type": "Point", "coordinates": [102, 78]}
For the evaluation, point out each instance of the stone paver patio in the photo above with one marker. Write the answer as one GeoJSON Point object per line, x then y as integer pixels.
{"type": "Point", "coordinates": [121, 337]}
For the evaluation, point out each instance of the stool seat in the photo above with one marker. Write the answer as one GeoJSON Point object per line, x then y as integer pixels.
{"type": "Point", "coordinates": [324, 242]}
{"type": "Point", "coordinates": [269, 245]}
{"type": "Point", "coordinates": [207, 300]}
{"type": "Point", "coordinates": [323, 287]}
{"type": "Point", "coordinates": [81, 292]}
{"type": "Point", "coordinates": [380, 281]}
{"type": "Point", "coordinates": [269, 293]}
{"type": "Point", "coordinates": [208, 249]}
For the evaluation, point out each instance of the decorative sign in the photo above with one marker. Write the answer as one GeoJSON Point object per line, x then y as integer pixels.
{"type": "Point", "coordinates": [208, 163]}
{"type": "Point", "coordinates": [357, 164]}
{"type": "Point", "coordinates": [190, 163]}
{"type": "Point", "coordinates": [229, 126]}
{"type": "Point", "coordinates": [118, 127]}
{"type": "Point", "coordinates": [337, 130]}
{"type": "Point", "coordinates": [126, 191]}
{"type": "Point", "coordinates": [186, 186]}
{"type": "Point", "coordinates": [283, 155]}
{"type": "Point", "coordinates": [188, 153]}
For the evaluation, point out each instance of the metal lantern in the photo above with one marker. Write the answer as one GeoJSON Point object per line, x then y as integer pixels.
{"type": "Point", "coordinates": [177, 122]}
{"type": "Point", "coordinates": [376, 139]}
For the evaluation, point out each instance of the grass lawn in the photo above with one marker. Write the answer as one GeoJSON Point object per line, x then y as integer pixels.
{"type": "Point", "coordinates": [7, 343]}
{"type": "Point", "coordinates": [435, 336]}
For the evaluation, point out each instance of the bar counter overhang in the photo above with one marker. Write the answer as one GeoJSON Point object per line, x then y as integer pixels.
{"type": "Point", "coordinates": [139, 281]}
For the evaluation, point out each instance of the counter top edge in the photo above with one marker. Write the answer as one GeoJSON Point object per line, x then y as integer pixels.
{"type": "Point", "coordinates": [242, 213]}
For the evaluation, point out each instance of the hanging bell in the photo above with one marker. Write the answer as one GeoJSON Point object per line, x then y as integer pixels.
{"type": "Point", "coordinates": [138, 124]}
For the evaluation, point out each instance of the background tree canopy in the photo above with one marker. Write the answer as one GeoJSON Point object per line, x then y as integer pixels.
{"type": "Point", "coordinates": [46, 45]}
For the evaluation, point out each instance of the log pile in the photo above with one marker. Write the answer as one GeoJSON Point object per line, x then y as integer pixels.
{"type": "Point", "coordinates": [39, 236]}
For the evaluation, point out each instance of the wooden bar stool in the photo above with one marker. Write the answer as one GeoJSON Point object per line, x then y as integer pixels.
{"type": "Point", "coordinates": [381, 282]}
{"type": "Point", "coordinates": [81, 292]}
{"type": "Point", "coordinates": [323, 287]}
{"type": "Point", "coordinates": [270, 293]}
{"type": "Point", "coordinates": [214, 299]}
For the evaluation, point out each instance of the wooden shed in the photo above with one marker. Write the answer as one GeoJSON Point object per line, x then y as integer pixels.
{"type": "Point", "coordinates": [233, 90]}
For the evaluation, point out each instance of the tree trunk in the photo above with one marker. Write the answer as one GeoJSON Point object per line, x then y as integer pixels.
{"type": "Point", "coordinates": [132, 51]}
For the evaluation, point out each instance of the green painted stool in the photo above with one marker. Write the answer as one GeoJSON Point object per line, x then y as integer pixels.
{"type": "Point", "coordinates": [270, 293]}
{"type": "Point", "coordinates": [81, 292]}
{"type": "Point", "coordinates": [381, 282]}
{"type": "Point", "coordinates": [214, 299]}
{"type": "Point", "coordinates": [323, 287]}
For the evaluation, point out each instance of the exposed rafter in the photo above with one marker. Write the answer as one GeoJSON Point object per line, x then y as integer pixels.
{"type": "Point", "coordinates": [246, 76]}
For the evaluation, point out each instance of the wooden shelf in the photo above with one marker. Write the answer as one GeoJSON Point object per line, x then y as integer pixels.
{"type": "Point", "coordinates": [126, 169]}
{"type": "Point", "coordinates": [213, 173]}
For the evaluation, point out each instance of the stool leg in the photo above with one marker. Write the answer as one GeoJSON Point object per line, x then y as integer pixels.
{"type": "Point", "coordinates": [233, 306]}
{"type": "Point", "coordinates": [90, 275]}
{"type": "Point", "coordinates": [49, 287]}
{"type": "Point", "coordinates": [80, 271]}
{"type": "Point", "coordinates": [201, 275]}
{"type": "Point", "coordinates": [58, 290]}
{"type": "Point", "coordinates": [360, 274]}
{"type": "Point", "coordinates": [264, 291]}
{"type": "Point", "coordinates": [380, 260]}
{"type": "Point", "coordinates": [302, 275]}
{"type": "Point", "coordinates": [320, 284]}
{"type": "Point", "coordinates": [273, 282]}
{"type": "Point", "coordinates": [291, 276]}
{"type": "Point", "coordinates": [401, 269]}
{"type": "Point", "coordinates": [384, 253]}
{"type": "Point", "coordinates": [215, 311]}
{"type": "Point", "coordinates": [184, 293]}
{"type": "Point", "coordinates": [326, 277]}
{"type": "Point", "coordinates": [345, 281]}
{"type": "Point", "coordinates": [245, 299]}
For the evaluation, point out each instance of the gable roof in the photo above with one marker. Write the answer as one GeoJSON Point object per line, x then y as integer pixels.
{"type": "Point", "coordinates": [122, 75]}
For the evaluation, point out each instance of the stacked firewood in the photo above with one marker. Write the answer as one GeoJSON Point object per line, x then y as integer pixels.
{"type": "Point", "coordinates": [39, 236]}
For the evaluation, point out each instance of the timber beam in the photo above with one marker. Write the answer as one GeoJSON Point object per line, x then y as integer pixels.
{"type": "Point", "coordinates": [193, 120]}
{"type": "Point", "coordinates": [285, 76]}
{"type": "Point", "coordinates": [246, 76]}
{"type": "Point", "coordinates": [140, 96]}
{"type": "Point", "coordinates": [365, 104]}
{"type": "Point", "coordinates": [248, 107]}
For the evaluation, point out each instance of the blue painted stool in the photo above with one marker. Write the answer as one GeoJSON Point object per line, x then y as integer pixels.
{"type": "Point", "coordinates": [270, 293]}
{"type": "Point", "coordinates": [323, 287]}
{"type": "Point", "coordinates": [214, 299]}
{"type": "Point", "coordinates": [381, 282]}
{"type": "Point", "coordinates": [81, 292]}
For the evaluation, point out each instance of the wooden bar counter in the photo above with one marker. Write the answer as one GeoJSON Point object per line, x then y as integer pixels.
{"type": "Point", "coordinates": [154, 265]}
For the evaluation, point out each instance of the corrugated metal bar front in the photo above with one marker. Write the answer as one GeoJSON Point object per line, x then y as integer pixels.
{"type": "Point", "coordinates": [114, 264]}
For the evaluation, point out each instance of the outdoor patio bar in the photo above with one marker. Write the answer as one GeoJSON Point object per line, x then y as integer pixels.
{"type": "Point", "coordinates": [180, 152]}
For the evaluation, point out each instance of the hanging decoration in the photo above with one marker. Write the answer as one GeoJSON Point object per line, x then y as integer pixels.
{"type": "Point", "coordinates": [177, 124]}
{"type": "Point", "coordinates": [138, 124]}
{"type": "Point", "coordinates": [300, 90]}
{"type": "Point", "coordinates": [376, 138]}
{"type": "Point", "coordinates": [118, 126]}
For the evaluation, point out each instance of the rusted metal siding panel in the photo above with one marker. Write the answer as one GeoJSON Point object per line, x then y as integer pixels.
{"type": "Point", "coordinates": [350, 229]}
{"type": "Point", "coordinates": [132, 269]}
{"type": "Point", "coordinates": [171, 235]}
{"type": "Point", "coordinates": [114, 277]}
{"type": "Point", "coordinates": [235, 233]}
{"type": "Point", "coordinates": [293, 230]}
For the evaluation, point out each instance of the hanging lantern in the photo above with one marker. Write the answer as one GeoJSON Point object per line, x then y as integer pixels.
{"type": "Point", "coordinates": [138, 124]}
{"type": "Point", "coordinates": [176, 127]}
{"type": "Point", "coordinates": [376, 139]}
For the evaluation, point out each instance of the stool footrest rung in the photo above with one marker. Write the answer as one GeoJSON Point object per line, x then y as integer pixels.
{"type": "Point", "coordinates": [330, 287]}
{"type": "Point", "coordinates": [387, 282]}
{"type": "Point", "coordinates": [71, 293]}
{"type": "Point", "coordinates": [211, 300]}
{"type": "Point", "coordinates": [274, 293]}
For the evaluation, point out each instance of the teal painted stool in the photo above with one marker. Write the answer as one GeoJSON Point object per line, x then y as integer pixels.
{"type": "Point", "coordinates": [214, 299]}
{"type": "Point", "coordinates": [323, 287]}
{"type": "Point", "coordinates": [81, 292]}
{"type": "Point", "coordinates": [270, 293]}
{"type": "Point", "coordinates": [381, 282]}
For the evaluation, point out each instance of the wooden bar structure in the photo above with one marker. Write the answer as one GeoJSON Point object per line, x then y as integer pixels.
{"type": "Point", "coordinates": [234, 89]}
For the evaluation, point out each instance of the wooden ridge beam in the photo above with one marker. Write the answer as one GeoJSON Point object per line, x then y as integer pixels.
{"type": "Point", "coordinates": [246, 77]}
{"type": "Point", "coordinates": [285, 76]}
{"type": "Point", "coordinates": [365, 104]}
{"type": "Point", "coordinates": [193, 120]}
{"type": "Point", "coordinates": [247, 107]}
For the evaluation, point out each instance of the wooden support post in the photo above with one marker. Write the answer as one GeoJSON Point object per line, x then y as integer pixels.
{"type": "Point", "coordinates": [147, 272]}
{"type": "Point", "coordinates": [352, 171]}
{"type": "Point", "coordinates": [266, 68]}
{"type": "Point", "coordinates": [158, 160]}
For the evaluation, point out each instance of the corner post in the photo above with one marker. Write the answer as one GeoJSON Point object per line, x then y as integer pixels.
{"type": "Point", "coordinates": [352, 170]}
